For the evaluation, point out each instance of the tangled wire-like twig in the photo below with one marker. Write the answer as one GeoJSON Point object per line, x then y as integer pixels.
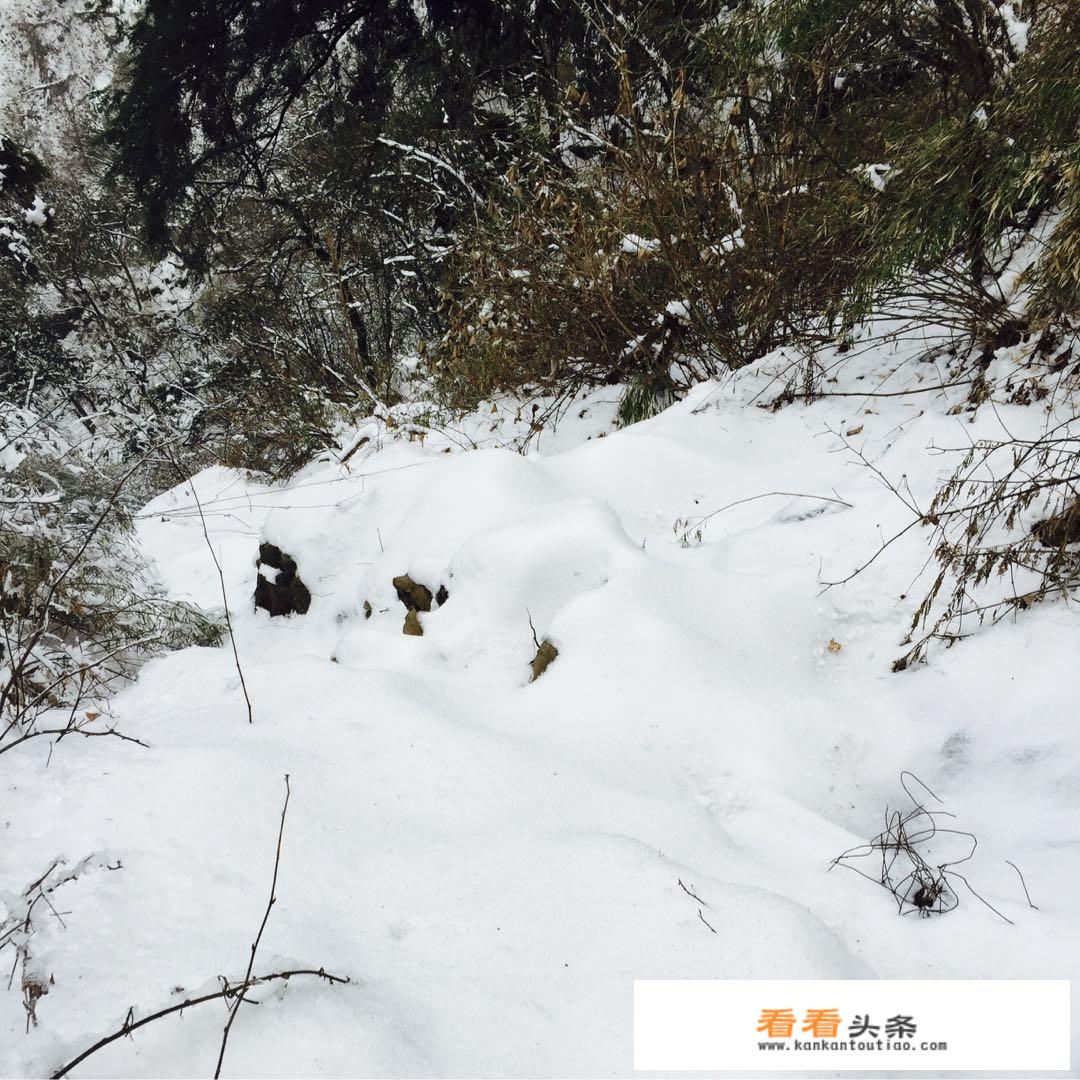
{"type": "Point", "coordinates": [903, 845]}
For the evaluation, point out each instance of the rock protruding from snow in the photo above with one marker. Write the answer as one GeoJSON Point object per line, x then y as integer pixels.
{"type": "Point", "coordinates": [412, 594]}
{"type": "Point", "coordinates": [416, 598]}
{"type": "Point", "coordinates": [282, 593]}
{"type": "Point", "coordinates": [545, 654]}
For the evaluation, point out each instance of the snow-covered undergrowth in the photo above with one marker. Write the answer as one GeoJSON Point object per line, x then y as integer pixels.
{"type": "Point", "coordinates": [493, 861]}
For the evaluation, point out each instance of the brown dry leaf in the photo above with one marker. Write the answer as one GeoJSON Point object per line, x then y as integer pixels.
{"type": "Point", "coordinates": [834, 645]}
{"type": "Point", "coordinates": [91, 715]}
{"type": "Point", "coordinates": [855, 430]}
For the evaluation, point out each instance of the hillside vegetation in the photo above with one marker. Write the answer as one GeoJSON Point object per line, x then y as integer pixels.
{"type": "Point", "coordinates": [628, 405]}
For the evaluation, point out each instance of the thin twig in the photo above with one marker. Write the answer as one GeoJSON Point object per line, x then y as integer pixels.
{"type": "Point", "coordinates": [1024, 883]}
{"type": "Point", "coordinates": [224, 594]}
{"type": "Point", "coordinates": [536, 640]}
{"type": "Point", "coordinates": [884, 393]}
{"type": "Point", "coordinates": [234, 993]}
{"type": "Point", "coordinates": [235, 1008]}
{"type": "Point", "coordinates": [752, 498]}
{"type": "Point", "coordinates": [986, 902]}
{"type": "Point", "coordinates": [71, 730]}
{"type": "Point", "coordinates": [690, 892]}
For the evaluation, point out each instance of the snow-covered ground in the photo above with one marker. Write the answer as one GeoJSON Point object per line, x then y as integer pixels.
{"type": "Point", "coordinates": [492, 862]}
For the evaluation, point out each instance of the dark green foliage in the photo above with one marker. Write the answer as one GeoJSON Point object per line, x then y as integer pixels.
{"type": "Point", "coordinates": [21, 170]}
{"type": "Point", "coordinates": [317, 162]}
{"type": "Point", "coordinates": [214, 86]}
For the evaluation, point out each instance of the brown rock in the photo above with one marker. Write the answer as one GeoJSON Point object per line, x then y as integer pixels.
{"type": "Point", "coordinates": [414, 596]}
{"type": "Point", "coordinates": [543, 658]}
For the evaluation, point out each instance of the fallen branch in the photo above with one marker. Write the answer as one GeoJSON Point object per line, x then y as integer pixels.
{"type": "Point", "coordinates": [72, 729]}
{"type": "Point", "coordinates": [883, 393]}
{"type": "Point", "coordinates": [228, 992]}
{"type": "Point", "coordinates": [233, 993]}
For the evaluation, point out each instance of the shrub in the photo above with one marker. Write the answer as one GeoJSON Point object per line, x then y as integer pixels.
{"type": "Point", "coordinates": [79, 610]}
{"type": "Point", "coordinates": [1006, 535]}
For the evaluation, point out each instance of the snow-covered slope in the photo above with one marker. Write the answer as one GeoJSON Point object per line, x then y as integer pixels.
{"type": "Point", "coordinates": [52, 54]}
{"type": "Point", "coordinates": [493, 861]}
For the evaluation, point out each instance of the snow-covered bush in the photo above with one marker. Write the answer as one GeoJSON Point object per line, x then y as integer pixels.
{"type": "Point", "coordinates": [79, 609]}
{"type": "Point", "coordinates": [617, 261]}
{"type": "Point", "coordinates": [607, 271]}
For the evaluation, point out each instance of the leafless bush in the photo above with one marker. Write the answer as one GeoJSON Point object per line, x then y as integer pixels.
{"type": "Point", "coordinates": [647, 253]}
{"type": "Point", "coordinates": [1006, 535]}
{"type": "Point", "coordinates": [17, 930]}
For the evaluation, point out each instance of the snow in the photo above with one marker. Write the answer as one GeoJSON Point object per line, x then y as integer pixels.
{"type": "Point", "coordinates": [1016, 28]}
{"type": "Point", "coordinates": [493, 861]}
{"type": "Point", "coordinates": [726, 245]}
{"type": "Point", "coordinates": [878, 175]}
{"type": "Point", "coordinates": [632, 244]}
{"type": "Point", "coordinates": [37, 213]}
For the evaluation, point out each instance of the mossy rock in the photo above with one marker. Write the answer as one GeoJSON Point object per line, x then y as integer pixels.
{"type": "Point", "coordinates": [412, 625]}
{"type": "Point", "coordinates": [543, 658]}
{"type": "Point", "coordinates": [412, 594]}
